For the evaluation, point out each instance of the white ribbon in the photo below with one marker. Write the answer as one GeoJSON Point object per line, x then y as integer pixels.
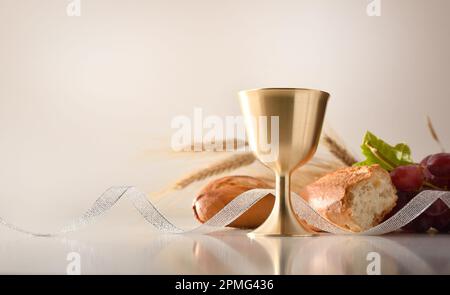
{"type": "Point", "coordinates": [236, 208]}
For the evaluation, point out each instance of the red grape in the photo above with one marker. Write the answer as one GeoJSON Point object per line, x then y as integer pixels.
{"type": "Point", "coordinates": [437, 208]}
{"type": "Point", "coordinates": [441, 182]}
{"type": "Point", "coordinates": [420, 225]}
{"type": "Point", "coordinates": [433, 172]}
{"type": "Point", "coordinates": [442, 222]}
{"type": "Point", "coordinates": [437, 215]}
{"type": "Point", "coordinates": [408, 178]}
{"type": "Point", "coordinates": [424, 162]}
{"type": "Point", "coordinates": [439, 164]}
{"type": "Point", "coordinates": [402, 199]}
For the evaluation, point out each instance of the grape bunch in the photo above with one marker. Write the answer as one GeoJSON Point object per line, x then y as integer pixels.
{"type": "Point", "coordinates": [432, 173]}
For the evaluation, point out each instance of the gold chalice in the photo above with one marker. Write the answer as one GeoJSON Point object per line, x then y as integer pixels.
{"type": "Point", "coordinates": [283, 129]}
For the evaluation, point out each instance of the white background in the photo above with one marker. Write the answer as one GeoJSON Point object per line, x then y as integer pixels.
{"type": "Point", "coordinates": [86, 101]}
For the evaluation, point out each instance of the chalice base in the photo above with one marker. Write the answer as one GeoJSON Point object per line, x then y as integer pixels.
{"type": "Point", "coordinates": [279, 224]}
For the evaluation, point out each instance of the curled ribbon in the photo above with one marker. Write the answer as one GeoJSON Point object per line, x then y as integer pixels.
{"type": "Point", "coordinates": [234, 209]}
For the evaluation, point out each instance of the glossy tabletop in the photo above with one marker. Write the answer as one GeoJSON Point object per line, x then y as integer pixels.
{"type": "Point", "coordinates": [138, 249]}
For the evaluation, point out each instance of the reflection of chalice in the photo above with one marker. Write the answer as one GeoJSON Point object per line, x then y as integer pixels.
{"type": "Point", "coordinates": [291, 120]}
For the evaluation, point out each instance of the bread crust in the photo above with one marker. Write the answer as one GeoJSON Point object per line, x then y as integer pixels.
{"type": "Point", "coordinates": [218, 193]}
{"type": "Point", "coordinates": [331, 197]}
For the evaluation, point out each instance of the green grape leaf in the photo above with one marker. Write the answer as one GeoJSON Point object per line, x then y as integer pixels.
{"type": "Point", "coordinates": [379, 152]}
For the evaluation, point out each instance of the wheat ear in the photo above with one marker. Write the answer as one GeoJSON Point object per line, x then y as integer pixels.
{"type": "Point", "coordinates": [221, 146]}
{"type": "Point", "coordinates": [338, 150]}
{"type": "Point", "coordinates": [434, 134]}
{"type": "Point", "coordinates": [228, 164]}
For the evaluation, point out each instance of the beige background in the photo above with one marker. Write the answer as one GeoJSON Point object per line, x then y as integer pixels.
{"type": "Point", "coordinates": [83, 100]}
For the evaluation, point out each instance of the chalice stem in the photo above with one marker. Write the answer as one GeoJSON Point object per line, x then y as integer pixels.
{"type": "Point", "coordinates": [283, 197]}
{"type": "Point", "coordinates": [282, 221]}
{"type": "Point", "coordinates": [283, 209]}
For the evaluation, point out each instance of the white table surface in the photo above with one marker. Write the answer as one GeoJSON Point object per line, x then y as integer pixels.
{"type": "Point", "coordinates": [122, 242]}
{"type": "Point", "coordinates": [138, 249]}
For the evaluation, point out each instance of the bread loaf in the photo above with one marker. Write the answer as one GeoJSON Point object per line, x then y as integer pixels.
{"type": "Point", "coordinates": [356, 198]}
{"type": "Point", "coordinates": [218, 193]}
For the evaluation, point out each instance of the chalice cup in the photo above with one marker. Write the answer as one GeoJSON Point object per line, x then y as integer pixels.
{"type": "Point", "coordinates": [283, 129]}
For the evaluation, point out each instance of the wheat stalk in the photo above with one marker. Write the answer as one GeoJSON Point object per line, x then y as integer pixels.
{"type": "Point", "coordinates": [212, 146]}
{"type": "Point", "coordinates": [230, 163]}
{"type": "Point", "coordinates": [338, 150]}
{"type": "Point", "coordinates": [314, 169]}
{"type": "Point", "coordinates": [434, 134]}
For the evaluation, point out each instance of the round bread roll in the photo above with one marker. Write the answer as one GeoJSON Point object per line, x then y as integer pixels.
{"type": "Point", "coordinates": [218, 193]}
